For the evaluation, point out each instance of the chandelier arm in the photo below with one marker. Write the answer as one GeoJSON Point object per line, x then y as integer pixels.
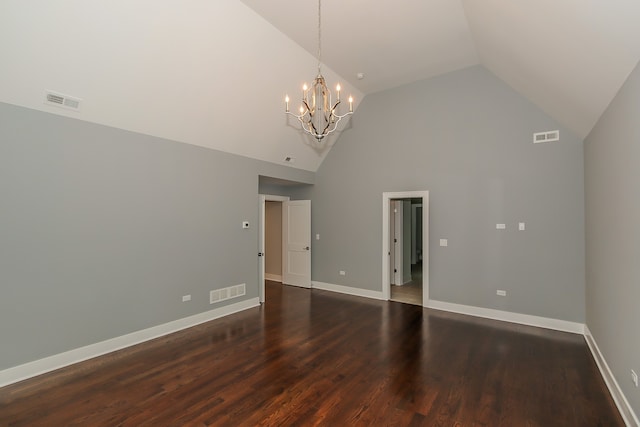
{"type": "Point", "coordinates": [325, 131]}
{"type": "Point", "coordinates": [343, 115]}
{"type": "Point", "coordinates": [299, 117]}
{"type": "Point", "coordinates": [315, 131]}
{"type": "Point", "coordinates": [306, 106]}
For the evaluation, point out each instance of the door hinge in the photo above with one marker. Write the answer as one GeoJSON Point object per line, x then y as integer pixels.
{"type": "Point", "coordinates": [260, 253]}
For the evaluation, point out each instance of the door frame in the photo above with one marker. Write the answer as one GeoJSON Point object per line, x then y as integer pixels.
{"type": "Point", "coordinates": [263, 198]}
{"type": "Point", "coordinates": [386, 247]}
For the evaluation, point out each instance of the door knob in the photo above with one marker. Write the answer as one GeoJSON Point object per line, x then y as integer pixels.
{"type": "Point", "coordinates": [307, 248]}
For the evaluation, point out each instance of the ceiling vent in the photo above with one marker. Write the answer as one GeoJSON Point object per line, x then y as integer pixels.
{"type": "Point", "coordinates": [549, 136]}
{"type": "Point", "coordinates": [61, 100]}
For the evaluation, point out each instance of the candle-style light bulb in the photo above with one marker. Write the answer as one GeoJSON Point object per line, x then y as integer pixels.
{"type": "Point", "coordinates": [351, 104]}
{"type": "Point", "coordinates": [338, 90]}
{"type": "Point", "coordinates": [286, 100]}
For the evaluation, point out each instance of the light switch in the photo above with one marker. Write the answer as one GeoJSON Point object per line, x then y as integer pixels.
{"type": "Point", "coordinates": [501, 226]}
{"type": "Point", "coordinates": [521, 226]}
{"type": "Point", "coordinates": [317, 236]}
{"type": "Point", "coordinates": [444, 242]}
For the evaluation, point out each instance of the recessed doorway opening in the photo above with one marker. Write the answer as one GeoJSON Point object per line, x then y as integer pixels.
{"type": "Point", "coordinates": [405, 247]}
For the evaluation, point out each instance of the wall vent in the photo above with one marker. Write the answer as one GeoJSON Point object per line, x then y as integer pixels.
{"type": "Point", "coordinates": [227, 293]}
{"type": "Point", "coordinates": [549, 136]}
{"type": "Point", "coordinates": [61, 100]}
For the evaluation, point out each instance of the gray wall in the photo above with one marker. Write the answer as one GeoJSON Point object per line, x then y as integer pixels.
{"type": "Point", "coordinates": [102, 231]}
{"type": "Point", "coordinates": [612, 186]}
{"type": "Point", "coordinates": [467, 138]}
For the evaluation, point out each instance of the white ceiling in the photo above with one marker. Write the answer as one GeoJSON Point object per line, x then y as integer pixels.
{"type": "Point", "coordinates": [214, 73]}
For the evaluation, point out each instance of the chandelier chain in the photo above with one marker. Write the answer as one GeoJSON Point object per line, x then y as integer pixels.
{"type": "Point", "coordinates": [319, 37]}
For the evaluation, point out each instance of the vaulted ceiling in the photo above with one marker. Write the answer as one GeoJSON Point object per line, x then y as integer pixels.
{"type": "Point", "coordinates": [214, 73]}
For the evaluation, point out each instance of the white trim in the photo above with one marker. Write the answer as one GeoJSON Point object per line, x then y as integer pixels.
{"type": "Point", "coordinates": [629, 417]}
{"type": "Point", "coordinates": [273, 277]}
{"type": "Point", "coordinates": [386, 204]}
{"type": "Point", "coordinates": [507, 316]}
{"type": "Point", "coordinates": [347, 290]}
{"type": "Point", "coordinates": [57, 361]}
{"type": "Point", "coordinates": [272, 198]}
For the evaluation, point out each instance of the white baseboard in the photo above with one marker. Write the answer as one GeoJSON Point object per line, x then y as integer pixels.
{"type": "Point", "coordinates": [57, 361]}
{"type": "Point", "coordinates": [273, 277]}
{"type": "Point", "coordinates": [507, 316]}
{"type": "Point", "coordinates": [630, 418]}
{"type": "Point", "coordinates": [348, 290]}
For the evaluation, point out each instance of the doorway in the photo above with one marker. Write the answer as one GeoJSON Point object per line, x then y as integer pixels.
{"type": "Point", "coordinates": [405, 226]}
{"type": "Point", "coordinates": [273, 240]}
{"type": "Point", "coordinates": [262, 239]}
{"type": "Point", "coordinates": [405, 246]}
{"type": "Point", "coordinates": [292, 247]}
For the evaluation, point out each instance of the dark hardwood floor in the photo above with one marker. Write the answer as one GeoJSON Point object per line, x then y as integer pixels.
{"type": "Point", "coordinates": [310, 357]}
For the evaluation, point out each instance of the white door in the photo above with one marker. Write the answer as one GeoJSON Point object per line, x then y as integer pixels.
{"type": "Point", "coordinates": [261, 209]}
{"type": "Point", "coordinates": [296, 243]}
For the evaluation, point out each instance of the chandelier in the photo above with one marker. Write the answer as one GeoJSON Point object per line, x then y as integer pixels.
{"type": "Point", "coordinates": [318, 114]}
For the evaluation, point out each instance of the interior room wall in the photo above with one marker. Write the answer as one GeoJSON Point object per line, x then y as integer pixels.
{"type": "Point", "coordinates": [102, 231]}
{"type": "Point", "coordinates": [466, 137]}
{"type": "Point", "coordinates": [612, 174]}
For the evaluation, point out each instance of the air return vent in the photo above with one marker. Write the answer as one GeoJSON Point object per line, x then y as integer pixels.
{"type": "Point", "coordinates": [61, 100]}
{"type": "Point", "coordinates": [227, 293]}
{"type": "Point", "coordinates": [549, 136]}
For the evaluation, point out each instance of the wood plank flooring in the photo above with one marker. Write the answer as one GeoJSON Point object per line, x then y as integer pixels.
{"type": "Point", "coordinates": [409, 293]}
{"type": "Point", "coordinates": [311, 357]}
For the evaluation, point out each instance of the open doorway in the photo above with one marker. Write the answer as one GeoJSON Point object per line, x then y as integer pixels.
{"type": "Point", "coordinates": [290, 249]}
{"type": "Point", "coordinates": [267, 242]}
{"type": "Point", "coordinates": [405, 237]}
{"type": "Point", "coordinates": [273, 240]}
{"type": "Point", "coordinates": [405, 246]}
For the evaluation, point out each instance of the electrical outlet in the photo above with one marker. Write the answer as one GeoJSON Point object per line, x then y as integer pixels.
{"type": "Point", "coordinates": [501, 293]}
{"type": "Point", "coordinates": [634, 377]}
{"type": "Point", "coordinates": [186, 298]}
{"type": "Point", "coordinates": [343, 273]}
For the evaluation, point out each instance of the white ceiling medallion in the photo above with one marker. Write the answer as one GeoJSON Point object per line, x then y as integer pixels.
{"type": "Point", "coordinates": [318, 114]}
